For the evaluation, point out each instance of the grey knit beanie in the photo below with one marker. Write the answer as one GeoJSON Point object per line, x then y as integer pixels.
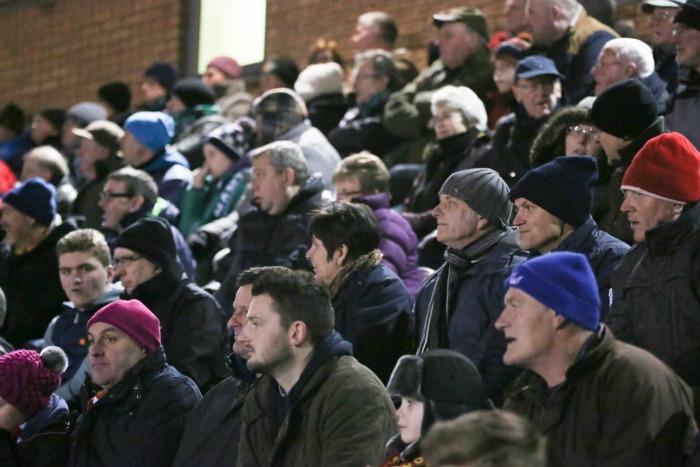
{"type": "Point", "coordinates": [484, 191]}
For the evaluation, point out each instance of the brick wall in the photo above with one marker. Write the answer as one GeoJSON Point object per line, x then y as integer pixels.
{"type": "Point", "coordinates": [59, 54]}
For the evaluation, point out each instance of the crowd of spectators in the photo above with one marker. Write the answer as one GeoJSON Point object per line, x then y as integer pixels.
{"type": "Point", "coordinates": [491, 261]}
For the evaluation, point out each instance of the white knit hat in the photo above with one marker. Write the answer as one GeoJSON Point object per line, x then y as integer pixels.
{"type": "Point", "coordinates": [319, 79]}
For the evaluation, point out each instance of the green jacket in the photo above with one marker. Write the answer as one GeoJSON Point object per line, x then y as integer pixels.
{"type": "Point", "coordinates": [343, 416]}
{"type": "Point", "coordinates": [407, 113]}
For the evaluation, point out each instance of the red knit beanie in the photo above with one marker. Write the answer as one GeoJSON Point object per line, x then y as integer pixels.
{"type": "Point", "coordinates": [27, 378]}
{"type": "Point", "coordinates": [133, 319]}
{"type": "Point", "coordinates": [227, 66]}
{"type": "Point", "coordinates": [667, 168]}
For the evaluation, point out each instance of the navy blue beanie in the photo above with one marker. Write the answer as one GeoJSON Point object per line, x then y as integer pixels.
{"type": "Point", "coordinates": [562, 187]}
{"type": "Point", "coordinates": [562, 281]}
{"type": "Point", "coordinates": [34, 198]}
{"type": "Point", "coordinates": [163, 73]}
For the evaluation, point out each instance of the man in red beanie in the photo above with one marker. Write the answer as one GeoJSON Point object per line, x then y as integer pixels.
{"type": "Point", "coordinates": [134, 408]}
{"type": "Point", "coordinates": [224, 74]}
{"type": "Point", "coordinates": [656, 286]}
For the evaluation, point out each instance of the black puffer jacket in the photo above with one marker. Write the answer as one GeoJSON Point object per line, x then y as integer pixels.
{"type": "Point", "coordinates": [139, 422]}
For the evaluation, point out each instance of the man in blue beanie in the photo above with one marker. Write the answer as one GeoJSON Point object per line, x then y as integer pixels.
{"type": "Point", "coordinates": [29, 272]}
{"type": "Point", "coordinates": [145, 147]}
{"type": "Point", "coordinates": [554, 203]}
{"type": "Point", "coordinates": [599, 401]}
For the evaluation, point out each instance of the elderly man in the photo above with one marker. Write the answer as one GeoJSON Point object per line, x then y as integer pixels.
{"type": "Point", "coordinates": [29, 271]}
{"type": "Point", "coordinates": [554, 203]}
{"type": "Point", "coordinates": [311, 384]}
{"type": "Point", "coordinates": [99, 154]}
{"type": "Point", "coordinates": [50, 165]}
{"type": "Point", "coordinates": [683, 116]}
{"type": "Point", "coordinates": [537, 90]}
{"type": "Point", "coordinates": [276, 226]}
{"type": "Point", "coordinates": [213, 428]}
{"type": "Point", "coordinates": [464, 61]}
{"type": "Point", "coordinates": [374, 79]}
{"type": "Point", "coordinates": [193, 324]}
{"type": "Point", "coordinates": [598, 401]}
{"type": "Point", "coordinates": [129, 195]}
{"type": "Point", "coordinates": [281, 115]}
{"type": "Point", "coordinates": [571, 38]}
{"type": "Point", "coordinates": [135, 405]}
{"type": "Point", "coordinates": [655, 287]}
{"type": "Point", "coordinates": [625, 57]}
{"type": "Point", "coordinates": [458, 304]}
{"type": "Point", "coordinates": [145, 147]}
{"type": "Point", "coordinates": [627, 117]}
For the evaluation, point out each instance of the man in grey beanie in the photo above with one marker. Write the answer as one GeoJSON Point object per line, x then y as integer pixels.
{"type": "Point", "coordinates": [457, 306]}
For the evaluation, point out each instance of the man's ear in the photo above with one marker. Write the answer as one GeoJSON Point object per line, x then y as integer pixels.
{"type": "Point", "coordinates": [135, 203]}
{"type": "Point", "coordinates": [482, 223]}
{"type": "Point", "coordinates": [630, 70]}
{"type": "Point", "coordinates": [289, 176]}
{"type": "Point", "coordinates": [297, 333]}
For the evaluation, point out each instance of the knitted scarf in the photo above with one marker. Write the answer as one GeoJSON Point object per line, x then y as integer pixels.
{"type": "Point", "coordinates": [365, 262]}
{"type": "Point", "coordinates": [434, 334]}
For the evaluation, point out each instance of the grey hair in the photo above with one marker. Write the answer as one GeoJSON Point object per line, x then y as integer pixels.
{"type": "Point", "coordinates": [630, 50]}
{"type": "Point", "coordinates": [49, 159]}
{"type": "Point", "coordinates": [383, 64]}
{"type": "Point", "coordinates": [463, 99]}
{"type": "Point", "coordinates": [383, 22]}
{"type": "Point", "coordinates": [285, 155]}
{"type": "Point", "coordinates": [137, 182]}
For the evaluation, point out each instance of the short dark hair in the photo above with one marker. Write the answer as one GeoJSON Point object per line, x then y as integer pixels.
{"type": "Point", "coordinates": [488, 438]}
{"type": "Point", "coordinates": [298, 296]}
{"type": "Point", "coordinates": [85, 241]}
{"type": "Point", "coordinates": [369, 170]}
{"type": "Point", "coordinates": [349, 224]}
{"type": "Point", "coordinates": [251, 275]}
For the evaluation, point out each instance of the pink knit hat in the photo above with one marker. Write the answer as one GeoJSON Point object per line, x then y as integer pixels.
{"type": "Point", "coordinates": [667, 168]}
{"type": "Point", "coordinates": [27, 378]}
{"type": "Point", "coordinates": [133, 319]}
{"type": "Point", "coordinates": [227, 66]}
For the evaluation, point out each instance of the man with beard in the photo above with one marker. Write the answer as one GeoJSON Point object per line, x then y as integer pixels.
{"type": "Point", "coordinates": [311, 385]}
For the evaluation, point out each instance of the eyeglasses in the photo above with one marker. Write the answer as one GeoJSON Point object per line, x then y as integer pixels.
{"type": "Point", "coordinates": [680, 29]}
{"type": "Point", "coordinates": [125, 260]}
{"type": "Point", "coordinates": [605, 65]}
{"type": "Point", "coordinates": [361, 76]}
{"type": "Point", "coordinates": [662, 16]}
{"type": "Point", "coordinates": [109, 195]}
{"type": "Point", "coordinates": [530, 86]}
{"type": "Point", "coordinates": [585, 132]}
{"type": "Point", "coordinates": [347, 194]}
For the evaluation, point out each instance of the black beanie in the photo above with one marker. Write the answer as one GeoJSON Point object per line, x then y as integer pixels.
{"type": "Point", "coordinates": [193, 92]}
{"type": "Point", "coordinates": [163, 73]}
{"type": "Point", "coordinates": [562, 187]}
{"type": "Point", "coordinates": [152, 238]}
{"type": "Point", "coordinates": [625, 109]}
{"type": "Point", "coordinates": [116, 94]}
{"type": "Point", "coordinates": [55, 117]}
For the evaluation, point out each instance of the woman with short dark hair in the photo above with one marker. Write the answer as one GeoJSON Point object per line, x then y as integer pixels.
{"type": "Point", "coordinates": [372, 306]}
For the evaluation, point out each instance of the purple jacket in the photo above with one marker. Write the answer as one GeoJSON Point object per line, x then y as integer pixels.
{"type": "Point", "coordinates": [399, 243]}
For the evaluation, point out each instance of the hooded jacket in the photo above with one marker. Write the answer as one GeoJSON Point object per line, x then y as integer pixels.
{"type": "Point", "coordinates": [341, 407]}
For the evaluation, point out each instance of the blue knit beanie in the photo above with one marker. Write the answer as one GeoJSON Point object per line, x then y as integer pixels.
{"type": "Point", "coordinates": [562, 187]}
{"type": "Point", "coordinates": [564, 282]}
{"type": "Point", "coordinates": [152, 129]}
{"type": "Point", "coordinates": [34, 198]}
